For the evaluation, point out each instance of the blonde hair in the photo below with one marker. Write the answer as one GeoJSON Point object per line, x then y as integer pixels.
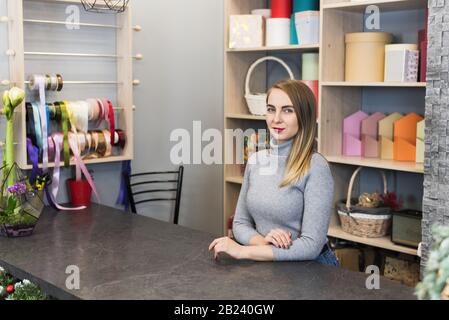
{"type": "Point", "coordinates": [304, 103]}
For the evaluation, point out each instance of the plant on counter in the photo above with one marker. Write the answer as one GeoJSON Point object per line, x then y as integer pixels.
{"type": "Point", "coordinates": [20, 203]}
{"type": "Point", "coordinates": [435, 284]}
{"type": "Point", "coordinates": [12, 289]}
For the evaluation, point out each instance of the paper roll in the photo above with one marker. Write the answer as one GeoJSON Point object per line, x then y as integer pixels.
{"type": "Point", "coordinates": [266, 13]}
{"type": "Point", "coordinates": [310, 66]}
{"type": "Point", "coordinates": [308, 27]}
{"type": "Point", "coordinates": [278, 32]}
{"type": "Point", "coordinates": [281, 8]}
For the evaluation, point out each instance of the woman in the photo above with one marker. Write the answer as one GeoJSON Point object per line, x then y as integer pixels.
{"type": "Point", "coordinates": [284, 215]}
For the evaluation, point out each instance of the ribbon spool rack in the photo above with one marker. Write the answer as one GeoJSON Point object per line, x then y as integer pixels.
{"type": "Point", "coordinates": [123, 84]}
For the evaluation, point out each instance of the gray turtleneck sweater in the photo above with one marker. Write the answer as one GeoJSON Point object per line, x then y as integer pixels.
{"type": "Point", "coordinates": [303, 209]}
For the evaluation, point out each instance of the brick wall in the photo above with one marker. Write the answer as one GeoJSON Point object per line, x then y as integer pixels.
{"type": "Point", "coordinates": [436, 168]}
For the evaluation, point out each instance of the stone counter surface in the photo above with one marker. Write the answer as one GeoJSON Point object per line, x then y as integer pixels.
{"type": "Point", "coordinates": [126, 256]}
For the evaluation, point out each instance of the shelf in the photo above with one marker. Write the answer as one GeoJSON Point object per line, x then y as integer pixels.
{"type": "Point", "coordinates": [65, 23]}
{"type": "Point", "coordinates": [384, 5]}
{"type": "Point", "coordinates": [374, 84]}
{"type": "Point", "coordinates": [87, 162]}
{"type": "Point", "coordinates": [235, 180]}
{"type": "Point", "coordinates": [245, 116]}
{"type": "Point", "coordinates": [71, 54]}
{"type": "Point", "coordinates": [378, 163]}
{"type": "Point", "coordinates": [123, 79]}
{"type": "Point", "coordinates": [336, 231]}
{"type": "Point", "coordinates": [78, 2]}
{"type": "Point", "coordinates": [312, 47]}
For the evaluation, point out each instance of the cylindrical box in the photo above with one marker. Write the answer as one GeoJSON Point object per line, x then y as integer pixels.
{"type": "Point", "coordinates": [309, 66]}
{"type": "Point", "coordinates": [266, 13]}
{"type": "Point", "coordinates": [278, 32]}
{"type": "Point", "coordinates": [314, 86]}
{"type": "Point", "coordinates": [281, 8]}
{"type": "Point", "coordinates": [365, 56]}
{"type": "Point", "coordinates": [293, 34]}
{"type": "Point", "coordinates": [306, 5]}
{"type": "Point", "coordinates": [308, 27]}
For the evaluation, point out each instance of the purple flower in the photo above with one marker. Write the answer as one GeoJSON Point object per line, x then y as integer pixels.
{"type": "Point", "coordinates": [19, 188]}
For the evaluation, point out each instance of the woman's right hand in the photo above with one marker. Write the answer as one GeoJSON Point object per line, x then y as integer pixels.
{"type": "Point", "coordinates": [279, 238]}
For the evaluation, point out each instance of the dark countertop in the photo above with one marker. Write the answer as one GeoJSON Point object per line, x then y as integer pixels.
{"type": "Point", "coordinates": [125, 256]}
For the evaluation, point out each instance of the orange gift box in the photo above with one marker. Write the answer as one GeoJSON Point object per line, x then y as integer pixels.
{"type": "Point", "coordinates": [404, 148]}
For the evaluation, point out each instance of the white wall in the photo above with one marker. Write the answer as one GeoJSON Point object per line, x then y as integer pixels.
{"type": "Point", "coordinates": [182, 81]}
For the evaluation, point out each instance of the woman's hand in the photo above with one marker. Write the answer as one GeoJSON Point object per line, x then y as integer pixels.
{"type": "Point", "coordinates": [279, 238]}
{"type": "Point", "coordinates": [228, 246]}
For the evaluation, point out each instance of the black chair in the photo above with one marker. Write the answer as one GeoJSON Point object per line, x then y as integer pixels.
{"type": "Point", "coordinates": [130, 186]}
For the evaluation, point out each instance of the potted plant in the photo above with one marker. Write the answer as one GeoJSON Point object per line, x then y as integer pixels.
{"type": "Point", "coordinates": [20, 203]}
{"type": "Point", "coordinates": [435, 282]}
{"type": "Point", "coordinates": [14, 289]}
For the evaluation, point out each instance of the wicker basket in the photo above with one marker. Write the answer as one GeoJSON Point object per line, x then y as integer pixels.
{"type": "Point", "coordinates": [361, 221]}
{"type": "Point", "coordinates": [257, 102]}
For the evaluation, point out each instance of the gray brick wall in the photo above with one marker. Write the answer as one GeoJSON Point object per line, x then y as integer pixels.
{"type": "Point", "coordinates": [436, 163]}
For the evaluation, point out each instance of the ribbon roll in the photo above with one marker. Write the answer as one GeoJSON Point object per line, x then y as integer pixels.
{"type": "Point", "coordinates": [101, 116]}
{"type": "Point", "coordinates": [107, 137]}
{"type": "Point", "coordinates": [47, 82]}
{"type": "Point", "coordinates": [60, 82]}
{"type": "Point", "coordinates": [51, 82]}
{"type": "Point", "coordinates": [88, 144]}
{"type": "Point", "coordinates": [65, 129]}
{"type": "Point", "coordinates": [37, 125]}
{"type": "Point", "coordinates": [111, 118]}
{"type": "Point", "coordinates": [51, 149]}
{"type": "Point", "coordinates": [80, 111]}
{"type": "Point", "coordinates": [31, 129]}
{"type": "Point", "coordinates": [94, 109]}
{"type": "Point", "coordinates": [44, 120]}
{"type": "Point", "coordinates": [122, 139]}
{"type": "Point", "coordinates": [54, 83]}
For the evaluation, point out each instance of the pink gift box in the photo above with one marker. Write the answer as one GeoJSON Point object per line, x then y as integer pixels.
{"type": "Point", "coordinates": [370, 131]}
{"type": "Point", "coordinates": [352, 125]}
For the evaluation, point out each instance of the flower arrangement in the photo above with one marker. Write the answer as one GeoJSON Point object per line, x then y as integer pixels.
{"type": "Point", "coordinates": [391, 200]}
{"type": "Point", "coordinates": [13, 289]}
{"type": "Point", "coordinates": [435, 283]}
{"type": "Point", "coordinates": [20, 203]}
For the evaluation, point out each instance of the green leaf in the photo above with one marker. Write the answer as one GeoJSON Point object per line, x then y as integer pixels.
{"type": "Point", "coordinates": [12, 203]}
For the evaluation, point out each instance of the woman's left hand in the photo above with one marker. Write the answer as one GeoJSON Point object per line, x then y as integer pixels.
{"type": "Point", "coordinates": [228, 246]}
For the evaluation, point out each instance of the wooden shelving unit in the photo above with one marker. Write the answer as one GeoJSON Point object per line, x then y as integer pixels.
{"type": "Point", "coordinates": [236, 180]}
{"type": "Point", "coordinates": [244, 116]}
{"type": "Point", "coordinates": [390, 5]}
{"type": "Point", "coordinates": [338, 99]}
{"type": "Point", "coordinates": [304, 48]}
{"type": "Point", "coordinates": [378, 163]}
{"type": "Point", "coordinates": [336, 231]}
{"type": "Point", "coordinates": [236, 113]}
{"type": "Point", "coordinates": [123, 82]}
{"type": "Point", "coordinates": [374, 84]}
